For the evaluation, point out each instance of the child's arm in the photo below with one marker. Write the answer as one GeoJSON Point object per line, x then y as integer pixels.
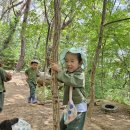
{"type": "Point", "coordinates": [55, 67]}
{"type": "Point", "coordinates": [75, 80]}
{"type": "Point", "coordinates": [26, 74]}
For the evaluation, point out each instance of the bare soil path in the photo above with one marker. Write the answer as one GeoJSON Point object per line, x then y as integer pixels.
{"type": "Point", "coordinates": [40, 116]}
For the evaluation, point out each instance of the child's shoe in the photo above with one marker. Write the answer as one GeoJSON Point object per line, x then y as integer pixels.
{"type": "Point", "coordinates": [34, 100]}
{"type": "Point", "coordinates": [29, 99]}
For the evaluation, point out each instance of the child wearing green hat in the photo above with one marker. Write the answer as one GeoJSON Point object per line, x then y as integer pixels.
{"type": "Point", "coordinates": [74, 60]}
{"type": "Point", "coordinates": [4, 77]}
{"type": "Point", "coordinates": [31, 77]}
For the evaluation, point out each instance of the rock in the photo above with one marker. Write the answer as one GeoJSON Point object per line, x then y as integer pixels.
{"type": "Point", "coordinates": [44, 79]}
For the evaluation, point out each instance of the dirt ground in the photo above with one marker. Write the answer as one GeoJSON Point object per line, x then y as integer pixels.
{"type": "Point", "coordinates": [40, 116]}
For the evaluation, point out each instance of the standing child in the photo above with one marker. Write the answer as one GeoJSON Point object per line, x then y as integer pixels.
{"type": "Point", "coordinates": [74, 60]}
{"type": "Point", "coordinates": [31, 75]}
{"type": "Point", "coordinates": [4, 77]}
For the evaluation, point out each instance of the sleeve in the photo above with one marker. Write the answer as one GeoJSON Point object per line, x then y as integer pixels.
{"type": "Point", "coordinates": [74, 80]}
{"type": "Point", "coordinates": [26, 72]}
{"type": "Point", "coordinates": [3, 75]}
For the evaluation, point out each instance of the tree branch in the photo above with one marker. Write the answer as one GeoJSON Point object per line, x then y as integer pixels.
{"type": "Point", "coordinates": [114, 2]}
{"type": "Point", "coordinates": [13, 8]}
{"type": "Point", "coordinates": [9, 8]}
{"type": "Point", "coordinates": [116, 21]}
{"type": "Point", "coordinates": [66, 23]}
{"type": "Point", "coordinates": [46, 15]}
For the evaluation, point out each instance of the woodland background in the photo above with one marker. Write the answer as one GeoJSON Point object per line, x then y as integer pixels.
{"type": "Point", "coordinates": [27, 28]}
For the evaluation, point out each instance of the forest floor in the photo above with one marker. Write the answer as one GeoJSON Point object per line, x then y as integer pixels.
{"type": "Point", "coordinates": [40, 116]}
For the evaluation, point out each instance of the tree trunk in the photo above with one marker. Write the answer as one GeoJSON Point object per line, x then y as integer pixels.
{"type": "Point", "coordinates": [36, 47]}
{"type": "Point", "coordinates": [94, 64]}
{"type": "Point", "coordinates": [11, 33]}
{"type": "Point", "coordinates": [47, 53]}
{"type": "Point", "coordinates": [23, 39]}
{"type": "Point", "coordinates": [13, 26]}
{"type": "Point", "coordinates": [56, 40]}
{"type": "Point", "coordinates": [48, 49]}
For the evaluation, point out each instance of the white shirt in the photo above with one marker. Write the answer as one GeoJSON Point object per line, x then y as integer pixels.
{"type": "Point", "coordinates": [81, 107]}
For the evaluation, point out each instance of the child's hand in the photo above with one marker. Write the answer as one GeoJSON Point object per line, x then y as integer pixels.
{"type": "Point", "coordinates": [55, 67]}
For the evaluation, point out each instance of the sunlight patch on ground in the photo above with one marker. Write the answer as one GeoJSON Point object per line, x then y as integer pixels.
{"type": "Point", "coordinates": [18, 96]}
{"type": "Point", "coordinates": [110, 117]}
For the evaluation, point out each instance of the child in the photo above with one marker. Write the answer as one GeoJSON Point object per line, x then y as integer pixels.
{"type": "Point", "coordinates": [75, 62]}
{"type": "Point", "coordinates": [4, 77]}
{"type": "Point", "coordinates": [31, 75]}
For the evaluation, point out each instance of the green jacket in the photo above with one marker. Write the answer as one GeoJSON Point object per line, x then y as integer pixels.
{"type": "Point", "coordinates": [32, 75]}
{"type": "Point", "coordinates": [77, 81]}
{"type": "Point", "coordinates": [3, 79]}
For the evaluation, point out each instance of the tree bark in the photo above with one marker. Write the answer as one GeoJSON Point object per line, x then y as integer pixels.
{"type": "Point", "coordinates": [23, 38]}
{"type": "Point", "coordinates": [56, 40]}
{"type": "Point", "coordinates": [47, 38]}
{"type": "Point", "coordinates": [94, 64]}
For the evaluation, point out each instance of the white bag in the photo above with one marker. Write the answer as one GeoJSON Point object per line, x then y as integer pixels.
{"type": "Point", "coordinates": [70, 113]}
{"type": "Point", "coordinates": [21, 125]}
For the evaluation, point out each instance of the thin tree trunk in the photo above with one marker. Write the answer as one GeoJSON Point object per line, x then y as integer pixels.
{"type": "Point", "coordinates": [12, 29]}
{"type": "Point", "coordinates": [23, 38]}
{"type": "Point", "coordinates": [94, 64]}
{"type": "Point", "coordinates": [37, 45]}
{"type": "Point", "coordinates": [103, 73]}
{"type": "Point", "coordinates": [11, 33]}
{"type": "Point", "coordinates": [48, 38]}
{"type": "Point", "coordinates": [56, 40]}
{"type": "Point", "coordinates": [46, 50]}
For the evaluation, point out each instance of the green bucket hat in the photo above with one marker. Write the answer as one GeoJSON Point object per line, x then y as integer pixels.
{"type": "Point", "coordinates": [34, 61]}
{"type": "Point", "coordinates": [74, 50]}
